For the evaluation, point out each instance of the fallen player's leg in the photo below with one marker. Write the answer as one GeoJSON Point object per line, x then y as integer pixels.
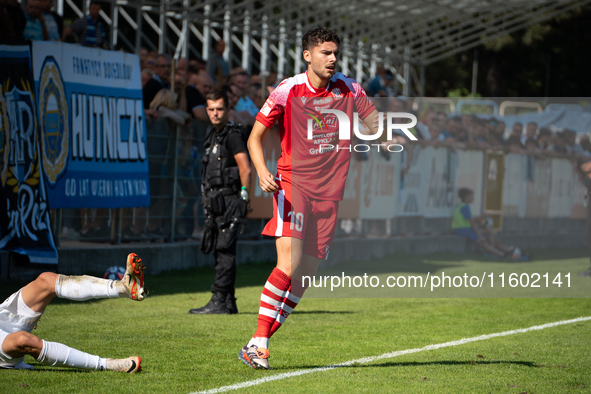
{"type": "Point", "coordinates": [20, 313]}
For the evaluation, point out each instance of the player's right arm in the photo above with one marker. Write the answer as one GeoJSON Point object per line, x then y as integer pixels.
{"type": "Point", "coordinates": [257, 155]}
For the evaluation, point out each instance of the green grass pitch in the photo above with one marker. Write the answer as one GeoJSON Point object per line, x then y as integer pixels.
{"type": "Point", "coordinates": [183, 353]}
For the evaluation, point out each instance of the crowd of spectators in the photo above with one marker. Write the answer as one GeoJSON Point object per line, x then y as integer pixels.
{"type": "Point", "coordinates": [187, 82]}
{"type": "Point", "coordinates": [471, 131]}
{"type": "Point", "coordinates": [36, 20]}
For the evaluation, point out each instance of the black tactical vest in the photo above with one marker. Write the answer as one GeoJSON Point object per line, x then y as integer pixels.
{"type": "Point", "coordinates": [220, 170]}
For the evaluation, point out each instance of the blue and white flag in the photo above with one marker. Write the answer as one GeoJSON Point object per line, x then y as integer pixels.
{"type": "Point", "coordinates": [24, 211]}
{"type": "Point", "coordinates": [92, 121]}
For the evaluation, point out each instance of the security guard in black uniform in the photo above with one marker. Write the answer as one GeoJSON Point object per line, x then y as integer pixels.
{"type": "Point", "coordinates": [224, 195]}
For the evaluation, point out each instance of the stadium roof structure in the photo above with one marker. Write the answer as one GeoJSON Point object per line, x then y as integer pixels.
{"type": "Point", "coordinates": [265, 35]}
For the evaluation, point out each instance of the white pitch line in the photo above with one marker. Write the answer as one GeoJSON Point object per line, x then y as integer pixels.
{"type": "Point", "coordinates": [366, 360]}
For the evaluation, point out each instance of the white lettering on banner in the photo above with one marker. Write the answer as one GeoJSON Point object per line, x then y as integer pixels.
{"type": "Point", "coordinates": [19, 217]}
{"type": "Point", "coordinates": [122, 148]}
{"type": "Point", "coordinates": [108, 70]}
{"type": "Point", "coordinates": [105, 187]}
{"type": "Point", "coordinates": [22, 133]}
{"type": "Point", "coordinates": [89, 132]}
{"type": "Point", "coordinates": [107, 128]}
{"type": "Point", "coordinates": [87, 67]}
{"type": "Point", "coordinates": [79, 121]}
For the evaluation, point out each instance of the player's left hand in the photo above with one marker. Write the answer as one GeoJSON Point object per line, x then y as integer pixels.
{"type": "Point", "coordinates": [267, 183]}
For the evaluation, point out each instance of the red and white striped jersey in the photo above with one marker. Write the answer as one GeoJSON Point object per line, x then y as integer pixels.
{"type": "Point", "coordinates": [318, 173]}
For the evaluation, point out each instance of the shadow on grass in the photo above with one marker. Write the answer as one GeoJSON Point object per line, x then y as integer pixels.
{"type": "Point", "coordinates": [390, 364]}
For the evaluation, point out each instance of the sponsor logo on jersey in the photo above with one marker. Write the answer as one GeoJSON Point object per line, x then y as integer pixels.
{"type": "Point", "coordinates": [325, 100]}
{"type": "Point", "coordinates": [269, 104]}
{"type": "Point", "coordinates": [53, 113]}
{"type": "Point", "coordinates": [304, 99]}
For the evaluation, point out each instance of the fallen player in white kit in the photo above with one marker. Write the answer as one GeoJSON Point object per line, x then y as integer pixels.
{"type": "Point", "coordinates": [21, 311]}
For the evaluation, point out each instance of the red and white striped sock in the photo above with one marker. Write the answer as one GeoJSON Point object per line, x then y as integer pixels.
{"type": "Point", "coordinates": [272, 298]}
{"type": "Point", "coordinates": [289, 303]}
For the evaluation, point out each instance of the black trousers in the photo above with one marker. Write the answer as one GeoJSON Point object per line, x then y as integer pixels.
{"type": "Point", "coordinates": [225, 260]}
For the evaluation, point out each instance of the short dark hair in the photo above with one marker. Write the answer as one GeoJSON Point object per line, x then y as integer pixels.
{"type": "Point", "coordinates": [164, 55]}
{"type": "Point", "coordinates": [95, 2]}
{"type": "Point", "coordinates": [318, 36]}
{"type": "Point", "coordinates": [545, 132]}
{"type": "Point", "coordinates": [217, 94]}
{"type": "Point", "coordinates": [464, 192]}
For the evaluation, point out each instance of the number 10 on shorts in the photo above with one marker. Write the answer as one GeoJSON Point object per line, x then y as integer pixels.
{"type": "Point", "coordinates": [297, 220]}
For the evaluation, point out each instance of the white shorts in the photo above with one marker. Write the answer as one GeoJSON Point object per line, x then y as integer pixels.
{"type": "Point", "coordinates": [15, 316]}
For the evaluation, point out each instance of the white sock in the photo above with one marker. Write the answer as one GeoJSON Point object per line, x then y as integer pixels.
{"type": "Point", "coordinates": [58, 354]}
{"type": "Point", "coordinates": [81, 288]}
{"type": "Point", "coordinates": [259, 342]}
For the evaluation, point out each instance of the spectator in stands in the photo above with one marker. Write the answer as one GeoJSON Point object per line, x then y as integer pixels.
{"type": "Point", "coordinates": [585, 144]}
{"type": "Point", "coordinates": [424, 123]}
{"type": "Point", "coordinates": [198, 87]}
{"type": "Point", "coordinates": [182, 65]}
{"type": "Point", "coordinates": [143, 55]}
{"type": "Point", "coordinates": [160, 80]}
{"type": "Point", "coordinates": [166, 103]}
{"type": "Point", "coordinates": [516, 130]}
{"type": "Point", "coordinates": [245, 103]}
{"type": "Point", "coordinates": [151, 62]}
{"type": "Point", "coordinates": [53, 21]}
{"type": "Point", "coordinates": [513, 143]}
{"type": "Point", "coordinates": [468, 121]}
{"type": "Point", "coordinates": [435, 135]}
{"type": "Point", "coordinates": [476, 228]}
{"type": "Point", "coordinates": [258, 95]}
{"type": "Point", "coordinates": [559, 146]}
{"type": "Point", "coordinates": [217, 68]}
{"type": "Point", "coordinates": [35, 30]}
{"type": "Point", "coordinates": [495, 134]}
{"type": "Point", "coordinates": [544, 139]}
{"type": "Point", "coordinates": [90, 30]}
{"type": "Point", "coordinates": [531, 145]}
{"type": "Point", "coordinates": [180, 87]}
{"type": "Point", "coordinates": [450, 127]}
{"type": "Point", "coordinates": [244, 106]}
{"type": "Point", "coordinates": [233, 95]}
{"type": "Point", "coordinates": [378, 86]}
{"type": "Point", "coordinates": [530, 132]}
{"type": "Point", "coordinates": [147, 73]}
{"type": "Point", "coordinates": [12, 20]}
{"type": "Point", "coordinates": [478, 137]}
{"type": "Point", "coordinates": [572, 146]}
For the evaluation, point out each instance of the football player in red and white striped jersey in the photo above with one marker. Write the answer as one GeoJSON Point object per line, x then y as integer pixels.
{"type": "Point", "coordinates": [310, 180]}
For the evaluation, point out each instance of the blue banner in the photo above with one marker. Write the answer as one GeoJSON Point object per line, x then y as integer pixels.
{"type": "Point", "coordinates": [24, 210]}
{"type": "Point", "coordinates": [93, 127]}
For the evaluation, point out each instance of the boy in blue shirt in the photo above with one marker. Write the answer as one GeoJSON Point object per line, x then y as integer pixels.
{"type": "Point", "coordinates": [464, 225]}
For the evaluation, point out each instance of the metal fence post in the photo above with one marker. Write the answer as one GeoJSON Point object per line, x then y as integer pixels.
{"type": "Point", "coordinates": [174, 184]}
